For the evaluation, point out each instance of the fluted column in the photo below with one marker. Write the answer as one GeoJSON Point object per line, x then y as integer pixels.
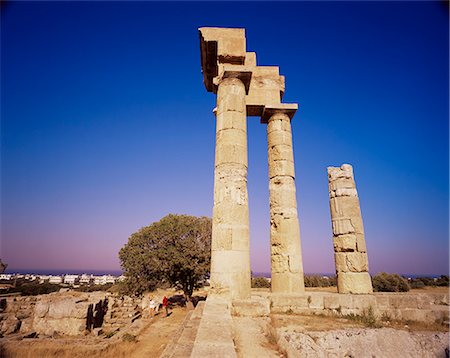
{"type": "Point", "coordinates": [230, 255]}
{"type": "Point", "coordinates": [286, 255]}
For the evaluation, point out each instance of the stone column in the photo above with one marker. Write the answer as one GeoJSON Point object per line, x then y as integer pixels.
{"type": "Point", "coordinates": [285, 248]}
{"type": "Point", "coordinates": [350, 254]}
{"type": "Point", "coordinates": [230, 255]}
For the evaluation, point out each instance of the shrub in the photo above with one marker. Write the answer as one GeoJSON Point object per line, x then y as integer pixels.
{"type": "Point", "coordinates": [385, 282]}
{"type": "Point", "coordinates": [260, 282]}
{"type": "Point", "coordinates": [127, 337]}
{"type": "Point", "coordinates": [319, 281]}
{"type": "Point", "coordinates": [417, 283]}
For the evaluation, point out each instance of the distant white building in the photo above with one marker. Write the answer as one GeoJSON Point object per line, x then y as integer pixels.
{"type": "Point", "coordinates": [121, 278]}
{"type": "Point", "coordinates": [43, 278]}
{"type": "Point", "coordinates": [103, 280]}
{"type": "Point", "coordinates": [5, 276]}
{"type": "Point", "coordinates": [71, 279]}
{"type": "Point", "coordinates": [85, 279]}
{"type": "Point", "coordinates": [55, 279]}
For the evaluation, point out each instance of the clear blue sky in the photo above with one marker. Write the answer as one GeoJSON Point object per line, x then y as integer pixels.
{"type": "Point", "coordinates": [106, 125]}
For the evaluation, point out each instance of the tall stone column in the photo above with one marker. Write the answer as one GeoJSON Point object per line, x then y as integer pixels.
{"type": "Point", "coordinates": [350, 254]}
{"type": "Point", "coordinates": [286, 255]}
{"type": "Point", "coordinates": [230, 255]}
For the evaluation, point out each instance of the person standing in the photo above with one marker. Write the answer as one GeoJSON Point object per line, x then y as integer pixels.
{"type": "Point", "coordinates": [165, 304]}
{"type": "Point", "coordinates": [152, 306]}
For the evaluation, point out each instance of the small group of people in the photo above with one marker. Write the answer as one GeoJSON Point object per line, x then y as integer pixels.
{"type": "Point", "coordinates": [154, 307]}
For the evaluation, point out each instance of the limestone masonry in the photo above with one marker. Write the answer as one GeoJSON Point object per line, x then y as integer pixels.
{"type": "Point", "coordinates": [245, 89]}
{"type": "Point", "coordinates": [350, 254]}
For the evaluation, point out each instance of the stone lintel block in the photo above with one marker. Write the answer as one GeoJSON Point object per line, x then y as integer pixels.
{"type": "Point", "coordinates": [279, 168]}
{"type": "Point", "coordinates": [342, 227]}
{"type": "Point", "coordinates": [281, 152]}
{"type": "Point", "coordinates": [254, 307]}
{"type": "Point", "coordinates": [360, 243]}
{"type": "Point", "coordinates": [279, 137]}
{"type": "Point", "coordinates": [354, 282]}
{"type": "Point", "coordinates": [231, 120]}
{"type": "Point", "coordinates": [270, 110]}
{"type": "Point", "coordinates": [344, 243]}
{"type": "Point", "coordinates": [220, 45]}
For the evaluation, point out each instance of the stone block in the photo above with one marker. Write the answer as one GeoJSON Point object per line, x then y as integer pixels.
{"type": "Point", "coordinates": [346, 192]}
{"type": "Point", "coordinates": [344, 243]}
{"type": "Point", "coordinates": [287, 282]}
{"type": "Point", "coordinates": [282, 193]}
{"type": "Point", "coordinates": [354, 282]}
{"type": "Point", "coordinates": [231, 153]}
{"type": "Point", "coordinates": [250, 59]}
{"type": "Point", "coordinates": [360, 243]}
{"type": "Point", "coordinates": [281, 168]}
{"type": "Point", "coordinates": [279, 137]}
{"type": "Point", "coordinates": [316, 301]}
{"type": "Point", "coordinates": [341, 183]}
{"type": "Point", "coordinates": [231, 120]}
{"type": "Point", "coordinates": [230, 213]}
{"type": "Point", "coordinates": [281, 152]}
{"type": "Point", "coordinates": [342, 227]}
{"type": "Point", "coordinates": [336, 301]}
{"type": "Point", "coordinates": [231, 137]}
{"type": "Point", "coordinates": [356, 261]}
{"type": "Point", "coordinates": [254, 307]}
{"type": "Point", "coordinates": [364, 302]}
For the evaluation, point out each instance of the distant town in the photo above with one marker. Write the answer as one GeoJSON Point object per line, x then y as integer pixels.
{"type": "Point", "coordinates": [67, 279]}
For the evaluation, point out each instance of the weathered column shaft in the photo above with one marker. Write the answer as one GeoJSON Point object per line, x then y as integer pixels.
{"type": "Point", "coordinates": [286, 256]}
{"type": "Point", "coordinates": [350, 254]}
{"type": "Point", "coordinates": [230, 256]}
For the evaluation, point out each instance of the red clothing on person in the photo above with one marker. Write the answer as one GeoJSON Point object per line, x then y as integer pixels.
{"type": "Point", "coordinates": [165, 301]}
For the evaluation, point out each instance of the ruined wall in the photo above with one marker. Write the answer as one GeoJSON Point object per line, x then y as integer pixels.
{"type": "Point", "coordinates": [350, 254]}
{"type": "Point", "coordinates": [67, 313]}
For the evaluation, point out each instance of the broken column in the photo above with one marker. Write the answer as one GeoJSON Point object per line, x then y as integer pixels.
{"type": "Point", "coordinates": [352, 266]}
{"type": "Point", "coordinates": [285, 248]}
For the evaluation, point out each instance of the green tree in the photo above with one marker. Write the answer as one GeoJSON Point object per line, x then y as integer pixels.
{"type": "Point", "coordinates": [175, 250]}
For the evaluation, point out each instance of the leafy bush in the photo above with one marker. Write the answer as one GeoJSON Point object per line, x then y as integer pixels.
{"type": "Point", "coordinates": [385, 282]}
{"type": "Point", "coordinates": [319, 281]}
{"type": "Point", "coordinates": [416, 283]}
{"type": "Point", "coordinates": [33, 288]}
{"type": "Point", "coordinates": [260, 282]}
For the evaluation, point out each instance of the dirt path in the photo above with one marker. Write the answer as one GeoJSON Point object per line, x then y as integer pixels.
{"type": "Point", "coordinates": [159, 333]}
{"type": "Point", "coordinates": [251, 340]}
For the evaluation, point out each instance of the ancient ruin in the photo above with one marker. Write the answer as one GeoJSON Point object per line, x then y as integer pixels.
{"type": "Point", "coordinates": [245, 89]}
{"type": "Point", "coordinates": [350, 254]}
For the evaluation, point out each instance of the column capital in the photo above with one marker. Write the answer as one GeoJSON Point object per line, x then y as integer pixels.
{"type": "Point", "coordinates": [243, 73]}
{"type": "Point", "coordinates": [271, 109]}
